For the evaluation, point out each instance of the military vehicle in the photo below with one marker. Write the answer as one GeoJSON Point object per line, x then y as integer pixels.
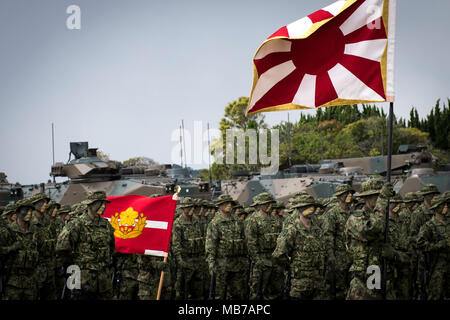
{"type": "Point", "coordinates": [9, 193]}
{"type": "Point", "coordinates": [87, 172]}
{"type": "Point", "coordinates": [412, 167]}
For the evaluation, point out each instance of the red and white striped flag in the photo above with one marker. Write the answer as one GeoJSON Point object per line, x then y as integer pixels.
{"type": "Point", "coordinates": [142, 225]}
{"type": "Point", "coordinates": [342, 54]}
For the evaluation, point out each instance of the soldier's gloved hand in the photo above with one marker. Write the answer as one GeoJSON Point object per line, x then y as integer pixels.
{"type": "Point", "coordinates": [388, 251]}
{"type": "Point", "coordinates": [162, 266]}
{"type": "Point", "coordinates": [388, 190]}
{"type": "Point", "coordinates": [15, 246]}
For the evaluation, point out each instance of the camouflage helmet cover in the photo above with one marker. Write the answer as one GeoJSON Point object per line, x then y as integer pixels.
{"type": "Point", "coordinates": [437, 201]}
{"type": "Point", "coordinates": [304, 201]}
{"type": "Point", "coordinates": [38, 197]}
{"type": "Point", "coordinates": [371, 187]}
{"type": "Point", "coordinates": [411, 197]}
{"type": "Point", "coordinates": [64, 209]}
{"type": "Point", "coordinates": [186, 202]}
{"type": "Point", "coordinates": [223, 198]}
{"type": "Point", "coordinates": [343, 188]}
{"type": "Point", "coordinates": [9, 209]}
{"type": "Point", "coordinates": [262, 198]}
{"type": "Point", "coordinates": [429, 189]}
{"type": "Point", "coordinates": [93, 196]}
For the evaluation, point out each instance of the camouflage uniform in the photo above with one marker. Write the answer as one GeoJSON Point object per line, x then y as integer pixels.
{"type": "Point", "coordinates": [188, 249]}
{"type": "Point", "coordinates": [47, 261]}
{"type": "Point", "coordinates": [333, 226]}
{"type": "Point", "coordinates": [150, 268]}
{"type": "Point", "coordinates": [60, 276]}
{"type": "Point", "coordinates": [434, 241]}
{"type": "Point", "coordinates": [363, 236]}
{"type": "Point", "coordinates": [396, 252]}
{"type": "Point", "coordinates": [418, 218]}
{"type": "Point", "coordinates": [304, 250]}
{"type": "Point", "coordinates": [226, 254]}
{"type": "Point", "coordinates": [21, 283]}
{"type": "Point", "coordinates": [126, 283]}
{"type": "Point", "coordinates": [89, 244]}
{"type": "Point", "coordinates": [261, 234]}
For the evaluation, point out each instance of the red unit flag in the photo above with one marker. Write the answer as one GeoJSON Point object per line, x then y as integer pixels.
{"type": "Point", "coordinates": [141, 224]}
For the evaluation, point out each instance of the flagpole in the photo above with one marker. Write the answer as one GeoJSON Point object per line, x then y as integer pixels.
{"type": "Point", "coordinates": [161, 280]}
{"type": "Point", "coordinates": [388, 179]}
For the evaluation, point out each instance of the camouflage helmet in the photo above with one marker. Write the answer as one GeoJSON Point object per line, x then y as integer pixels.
{"type": "Point", "coordinates": [9, 209]}
{"type": "Point", "coordinates": [279, 205]}
{"type": "Point", "coordinates": [411, 197]}
{"type": "Point", "coordinates": [38, 197]}
{"type": "Point", "coordinates": [429, 189]}
{"type": "Point", "coordinates": [93, 196]}
{"type": "Point", "coordinates": [64, 209]}
{"type": "Point", "coordinates": [343, 188]}
{"type": "Point", "coordinates": [223, 198]}
{"type": "Point", "coordinates": [446, 195]}
{"type": "Point", "coordinates": [53, 203]}
{"type": "Point", "coordinates": [299, 193]}
{"type": "Point", "coordinates": [304, 201]}
{"type": "Point", "coordinates": [262, 198]}
{"type": "Point", "coordinates": [437, 201]}
{"type": "Point", "coordinates": [186, 202]}
{"type": "Point", "coordinates": [371, 187]}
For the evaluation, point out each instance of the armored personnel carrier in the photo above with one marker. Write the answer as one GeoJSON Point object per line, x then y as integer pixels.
{"type": "Point", "coordinates": [87, 172]}
{"type": "Point", "coordinates": [412, 168]}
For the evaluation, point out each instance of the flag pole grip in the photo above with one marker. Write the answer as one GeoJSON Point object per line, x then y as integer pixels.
{"type": "Point", "coordinates": [161, 279]}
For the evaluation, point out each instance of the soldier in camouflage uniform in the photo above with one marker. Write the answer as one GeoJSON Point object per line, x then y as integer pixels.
{"type": "Point", "coordinates": [7, 240]}
{"type": "Point", "coordinates": [88, 242]}
{"type": "Point", "coordinates": [418, 218]}
{"type": "Point", "coordinates": [60, 274]}
{"type": "Point", "coordinates": [301, 246]}
{"type": "Point", "coordinates": [396, 252]}
{"type": "Point", "coordinates": [9, 215]}
{"type": "Point", "coordinates": [21, 282]}
{"type": "Point", "coordinates": [434, 241]}
{"type": "Point", "coordinates": [333, 226]}
{"type": "Point", "coordinates": [411, 201]}
{"type": "Point", "coordinates": [364, 240]}
{"type": "Point", "coordinates": [188, 249]}
{"type": "Point", "coordinates": [261, 233]}
{"type": "Point", "coordinates": [126, 285]}
{"type": "Point", "coordinates": [43, 224]}
{"type": "Point", "coordinates": [226, 252]}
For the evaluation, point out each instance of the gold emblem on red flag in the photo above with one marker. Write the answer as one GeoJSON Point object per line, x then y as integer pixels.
{"type": "Point", "coordinates": [125, 224]}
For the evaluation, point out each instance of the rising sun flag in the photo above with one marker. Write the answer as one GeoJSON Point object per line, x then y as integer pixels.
{"type": "Point", "coordinates": [340, 55]}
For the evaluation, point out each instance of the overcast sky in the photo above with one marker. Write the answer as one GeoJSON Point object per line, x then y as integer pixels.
{"type": "Point", "coordinates": [136, 68]}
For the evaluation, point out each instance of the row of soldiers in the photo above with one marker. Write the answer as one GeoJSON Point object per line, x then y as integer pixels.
{"type": "Point", "coordinates": [306, 249]}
